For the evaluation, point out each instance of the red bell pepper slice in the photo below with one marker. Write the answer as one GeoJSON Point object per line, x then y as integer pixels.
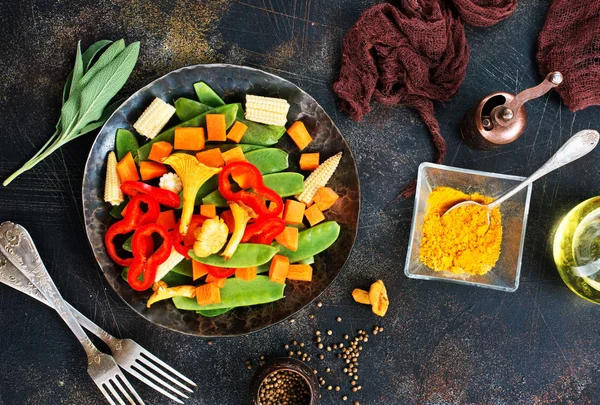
{"type": "Point", "coordinates": [163, 197]}
{"type": "Point", "coordinates": [145, 265]}
{"type": "Point", "coordinates": [219, 272]}
{"type": "Point", "coordinates": [134, 218]}
{"type": "Point", "coordinates": [257, 199]}
{"type": "Point", "coordinates": [264, 231]}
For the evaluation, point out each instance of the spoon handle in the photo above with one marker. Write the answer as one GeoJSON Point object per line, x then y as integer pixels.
{"type": "Point", "coordinates": [579, 145]}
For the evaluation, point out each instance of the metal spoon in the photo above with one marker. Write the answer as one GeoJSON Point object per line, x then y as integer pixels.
{"type": "Point", "coordinates": [579, 145]}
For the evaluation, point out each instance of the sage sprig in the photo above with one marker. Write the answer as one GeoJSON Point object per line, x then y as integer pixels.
{"type": "Point", "coordinates": [90, 87]}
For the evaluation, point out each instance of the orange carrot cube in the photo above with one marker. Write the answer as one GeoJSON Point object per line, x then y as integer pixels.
{"type": "Point", "coordinates": [293, 212]}
{"type": "Point", "coordinates": [160, 151]}
{"type": "Point", "coordinates": [127, 169]}
{"type": "Point", "coordinates": [325, 197]}
{"type": "Point", "coordinates": [246, 273]}
{"type": "Point", "coordinates": [233, 155]}
{"type": "Point", "coordinates": [288, 238]}
{"type": "Point", "coordinates": [237, 131]}
{"type": "Point", "coordinates": [167, 219]}
{"type": "Point", "coordinates": [314, 215]}
{"type": "Point", "coordinates": [279, 269]}
{"type": "Point", "coordinates": [211, 158]}
{"type": "Point", "coordinates": [300, 272]}
{"type": "Point", "coordinates": [215, 126]}
{"type": "Point", "coordinates": [309, 161]}
{"type": "Point", "coordinates": [219, 282]}
{"type": "Point", "coordinates": [299, 134]}
{"type": "Point", "coordinates": [208, 294]}
{"type": "Point", "coordinates": [189, 138]}
{"type": "Point", "coordinates": [198, 270]}
{"type": "Point", "coordinates": [227, 217]}
{"type": "Point", "coordinates": [208, 210]}
{"type": "Point", "coordinates": [151, 170]}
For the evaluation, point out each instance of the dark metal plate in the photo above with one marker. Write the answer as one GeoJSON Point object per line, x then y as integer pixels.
{"type": "Point", "coordinates": [232, 83]}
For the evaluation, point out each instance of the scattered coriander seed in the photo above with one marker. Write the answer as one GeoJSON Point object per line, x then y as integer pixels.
{"type": "Point", "coordinates": [359, 387]}
{"type": "Point", "coordinates": [339, 319]}
{"type": "Point", "coordinates": [347, 361]}
{"type": "Point", "coordinates": [329, 387]}
{"type": "Point", "coordinates": [319, 340]}
{"type": "Point", "coordinates": [321, 356]}
{"type": "Point", "coordinates": [301, 344]}
{"type": "Point", "coordinates": [353, 383]}
{"type": "Point", "coordinates": [286, 347]}
{"type": "Point", "coordinates": [318, 333]}
{"type": "Point", "coordinates": [354, 389]}
{"type": "Point", "coordinates": [329, 332]}
{"type": "Point", "coordinates": [339, 355]}
{"type": "Point", "coordinates": [345, 369]}
{"type": "Point", "coordinates": [335, 346]}
{"type": "Point", "coordinates": [311, 316]}
{"type": "Point", "coordinates": [345, 398]}
{"type": "Point", "coordinates": [298, 352]}
{"type": "Point", "coordinates": [341, 345]}
{"type": "Point", "coordinates": [350, 373]}
{"type": "Point", "coordinates": [320, 345]}
{"type": "Point", "coordinates": [337, 388]}
{"type": "Point", "coordinates": [356, 377]}
{"type": "Point", "coordinates": [315, 371]}
{"type": "Point", "coordinates": [319, 304]}
{"type": "Point", "coordinates": [291, 353]}
{"type": "Point", "coordinates": [292, 320]}
{"type": "Point", "coordinates": [346, 337]}
{"type": "Point", "coordinates": [327, 370]}
{"type": "Point", "coordinates": [295, 343]}
{"type": "Point", "coordinates": [328, 348]}
{"type": "Point", "coordinates": [308, 358]}
{"type": "Point", "coordinates": [249, 367]}
{"type": "Point", "coordinates": [356, 403]}
{"type": "Point", "coordinates": [381, 329]}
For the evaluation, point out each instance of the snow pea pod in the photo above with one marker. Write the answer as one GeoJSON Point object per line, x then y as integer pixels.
{"type": "Point", "coordinates": [186, 108]}
{"type": "Point", "coordinates": [238, 293]}
{"type": "Point", "coordinates": [184, 268]}
{"type": "Point", "coordinates": [312, 241]}
{"type": "Point", "coordinates": [207, 96]}
{"type": "Point", "coordinates": [229, 110]}
{"type": "Point", "coordinates": [125, 142]}
{"type": "Point", "coordinates": [268, 160]}
{"type": "Point", "coordinates": [211, 313]}
{"type": "Point", "coordinates": [246, 255]}
{"type": "Point", "coordinates": [285, 184]}
{"type": "Point", "coordinates": [261, 134]}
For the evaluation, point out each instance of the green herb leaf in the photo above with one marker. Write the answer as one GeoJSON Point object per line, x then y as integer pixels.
{"type": "Point", "coordinates": [105, 116]}
{"type": "Point", "coordinates": [86, 107]}
{"type": "Point", "coordinates": [87, 59]}
{"type": "Point", "coordinates": [106, 84]}
{"type": "Point", "coordinates": [78, 69]}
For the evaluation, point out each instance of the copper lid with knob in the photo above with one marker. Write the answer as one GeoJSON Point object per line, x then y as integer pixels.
{"type": "Point", "coordinates": [500, 117]}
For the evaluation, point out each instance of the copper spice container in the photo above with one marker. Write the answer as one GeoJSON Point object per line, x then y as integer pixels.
{"type": "Point", "coordinates": [500, 118]}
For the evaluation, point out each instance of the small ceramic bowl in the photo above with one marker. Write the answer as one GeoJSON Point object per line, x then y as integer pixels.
{"type": "Point", "coordinates": [285, 364]}
{"type": "Point", "coordinates": [505, 274]}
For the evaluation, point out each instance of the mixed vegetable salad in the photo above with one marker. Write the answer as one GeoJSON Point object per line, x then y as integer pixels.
{"type": "Point", "coordinates": [207, 214]}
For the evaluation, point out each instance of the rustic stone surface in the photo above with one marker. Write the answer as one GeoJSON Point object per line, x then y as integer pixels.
{"type": "Point", "coordinates": [442, 344]}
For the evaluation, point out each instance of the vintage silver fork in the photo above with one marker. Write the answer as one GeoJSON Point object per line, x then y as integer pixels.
{"type": "Point", "coordinates": [127, 353]}
{"type": "Point", "coordinates": [16, 245]}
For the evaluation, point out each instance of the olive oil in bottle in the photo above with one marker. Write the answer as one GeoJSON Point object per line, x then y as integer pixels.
{"type": "Point", "coordinates": [577, 249]}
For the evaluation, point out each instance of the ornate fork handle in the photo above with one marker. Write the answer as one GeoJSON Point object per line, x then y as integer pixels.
{"type": "Point", "coordinates": [16, 244]}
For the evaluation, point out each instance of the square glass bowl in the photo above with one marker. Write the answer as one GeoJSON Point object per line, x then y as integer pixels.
{"type": "Point", "coordinates": [505, 274]}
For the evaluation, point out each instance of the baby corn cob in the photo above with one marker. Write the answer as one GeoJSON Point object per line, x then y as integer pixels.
{"type": "Point", "coordinates": [112, 186]}
{"type": "Point", "coordinates": [267, 110]}
{"type": "Point", "coordinates": [319, 178]}
{"type": "Point", "coordinates": [154, 118]}
{"type": "Point", "coordinates": [173, 260]}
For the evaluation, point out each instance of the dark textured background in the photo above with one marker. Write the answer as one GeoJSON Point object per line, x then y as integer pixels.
{"type": "Point", "coordinates": [442, 343]}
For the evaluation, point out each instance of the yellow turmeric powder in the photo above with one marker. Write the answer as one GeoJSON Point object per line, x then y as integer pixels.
{"type": "Point", "coordinates": [461, 241]}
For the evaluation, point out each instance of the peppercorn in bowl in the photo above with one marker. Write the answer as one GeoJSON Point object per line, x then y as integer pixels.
{"type": "Point", "coordinates": [461, 247]}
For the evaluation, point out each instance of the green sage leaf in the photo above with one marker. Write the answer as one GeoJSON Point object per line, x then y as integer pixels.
{"type": "Point", "coordinates": [104, 86]}
{"type": "Point", "coordinates": [78, 69]}
{"type": "Point", "coordinates": [87, 59]}
{"type": "Point", "coordinates": [105, 116]}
